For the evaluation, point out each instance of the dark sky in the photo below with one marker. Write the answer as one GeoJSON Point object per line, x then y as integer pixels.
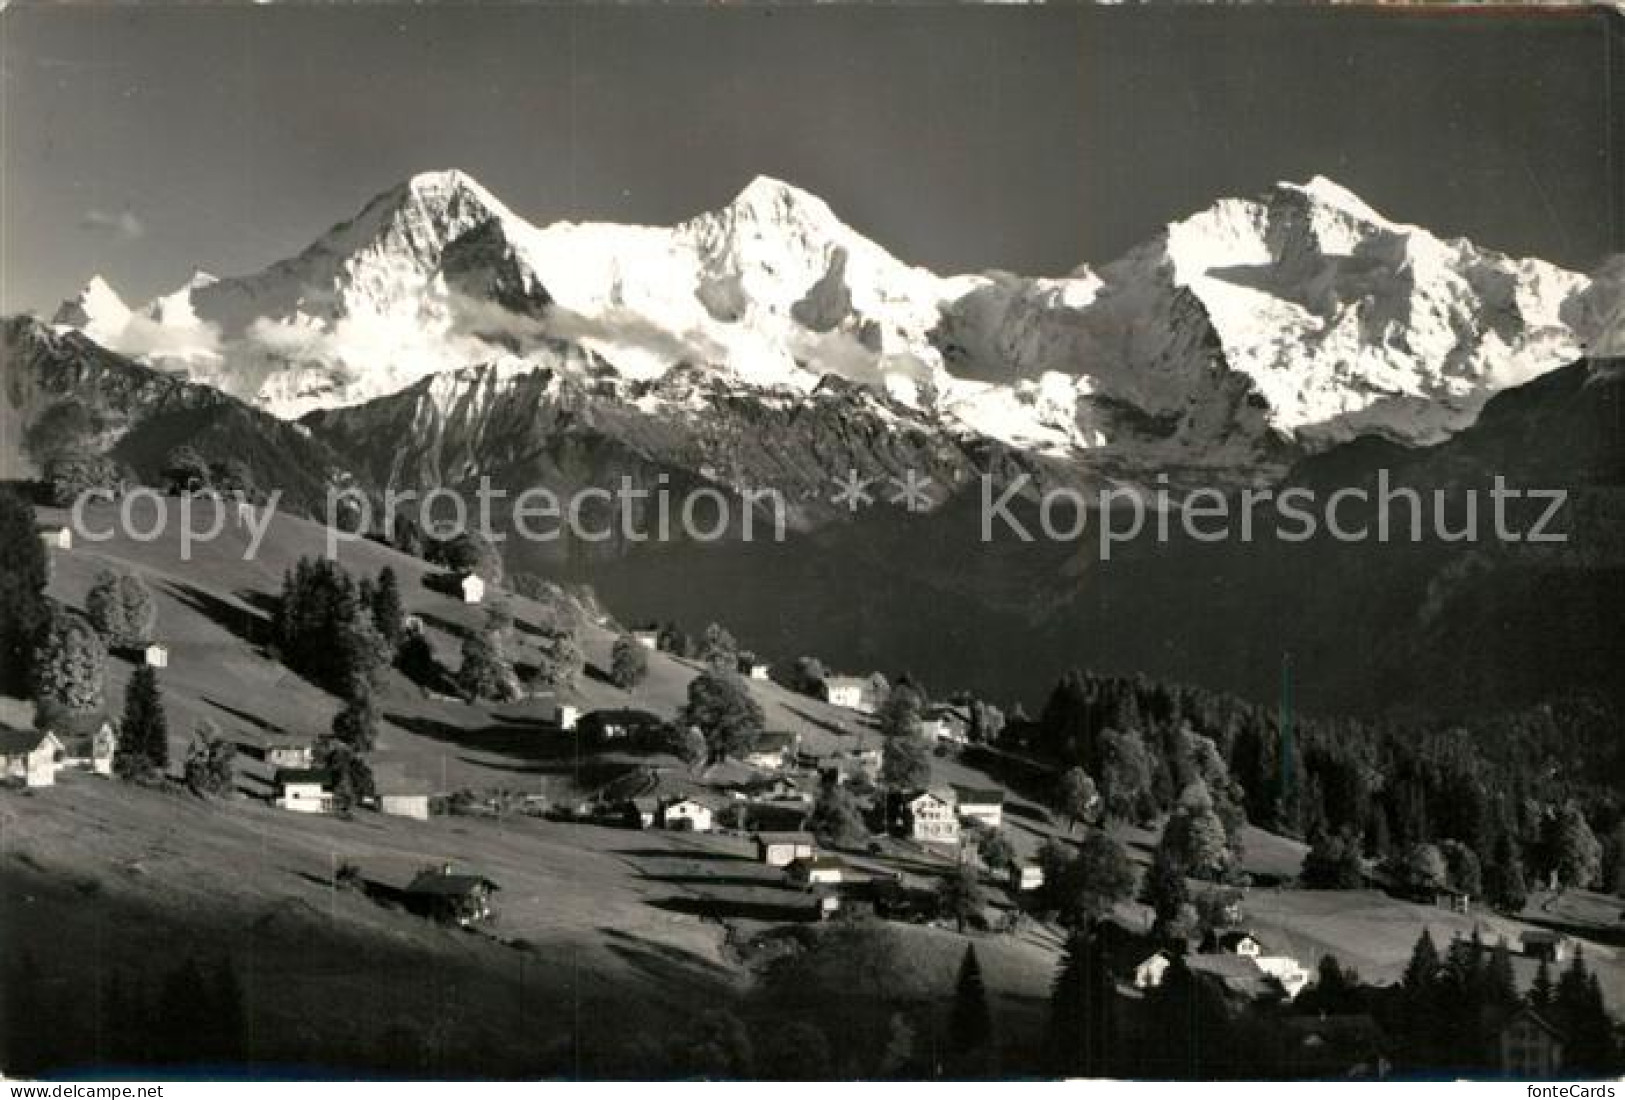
{"type": "Point", "coordinates": [144, 142]}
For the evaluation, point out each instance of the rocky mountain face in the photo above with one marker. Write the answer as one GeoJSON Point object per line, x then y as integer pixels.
{"type": "Point", "coordinates": [143, 414]}
{"type": "Point", "coordinates": [1221, 349]}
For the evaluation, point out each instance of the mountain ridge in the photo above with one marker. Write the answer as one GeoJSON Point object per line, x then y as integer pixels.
{"type": "Point", "coordinates": [1227, 344]}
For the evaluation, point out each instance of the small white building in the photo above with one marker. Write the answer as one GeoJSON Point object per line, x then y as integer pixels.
{"type": "Point", "coordinates": [771, 751]}
{"type": "Point", "coordinates": [982, 804]}
{"type": "Point", "coordinates": [56, 537]}
{"type": "Point", "coordinates": [946, 725]}
{"type": "Point", "coordinates": [155, 654]}
{"type": "Point", "coordinates": [818, 870]}
{"type": "Point", "coordinates": [304, 791]}
{"type": "Point", "coordinates": [29, 757]}
{"type": "Point", "coordinates": [782, 849]}
{"type": "Point", "coordinates": [851, 692]}
{"type": "Point", "coordinates": [1150, 972]}
{"type": "Point", "coordinates": [686, 815]}
{"type": "Point", "coordinates": [472, 587]}
{"type": "Point", "coordinates": [1244, 944]}
{"type": "Point", "coordinates": [932, 816]}
{"type": "Point", "coordinates": [1286, 970]}
{"type": "Point", "coordinates": [758, 671]}
{"type": "Point", "coordinates": [1027, 876]}
{"type": "Point", "coordinates": [405, 804]}
{"type": "Point", "coordinates": [648, 639]}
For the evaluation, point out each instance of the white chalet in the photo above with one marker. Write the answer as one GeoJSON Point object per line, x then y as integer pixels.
{"type": "Point", "coordinates": [851, 692]}
{"type": "Point", "coordinates": [686, 815]}
{"type": "Point", "coordinates": [29, 757]}
{"type": "Point", "coordinates": [933, 816]}
{"type": "Point", "coordinates": [303, 790]}
{"type": "Point", "coordinates": [982, 804]}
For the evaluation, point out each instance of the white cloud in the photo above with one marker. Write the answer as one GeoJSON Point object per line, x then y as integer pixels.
{"type": "Point", "coordinates": [123, 225]}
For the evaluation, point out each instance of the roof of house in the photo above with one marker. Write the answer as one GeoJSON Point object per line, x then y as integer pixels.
{"type": "Point", "coordinates": [945, 795]}
{"type": "Point", "coordinates": [1541, 935]}
{"type": "Point", "coordinates": [17, 713]}
{"type": "Point", "coordinates": [979, 795]}
{"type": "Point", "coordinates": [689, 799]}
{"type": "Point", "coordinates": [773, 742]}
{"type": "Point", "coordinates": [1235, 938]}
{"type": "Point", "coordinates": [15, 741]}
{"type": "Point", "coordinates": [447, 883]}
{"type": "Point", "coordinates": [1238, 974]}
{"type": "Point", "coordinates": [1545, 1025]}
{"type": "Point", "coordinates": [785, 838]}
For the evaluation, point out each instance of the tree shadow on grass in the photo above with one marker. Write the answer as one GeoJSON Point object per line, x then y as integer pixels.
{"type": "Point", "coordinates": [720, 909]}
{"type": "Point", "coordinates": [749, 882]}
{"type": "Point", "coordinates": [677, 853]}
{"type": "Point", "coordinates": [244, 623]}
{"type": "Point", "coordinates": [531, 752]}
{"type": "Point", "coordinates": [244, 716]}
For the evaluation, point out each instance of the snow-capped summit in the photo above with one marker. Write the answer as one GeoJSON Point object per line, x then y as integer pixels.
{"type": "Point", "coordinates": [96, 310]}
{"type": "Point", "coordinates": [1292, 318]}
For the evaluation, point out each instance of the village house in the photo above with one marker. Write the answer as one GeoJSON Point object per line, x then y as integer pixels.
{"type": "Point", "coordinates": [782, 849]}
{"type": "Point", "coordinates": [1541, 943]}
{"type": "Point", "coordinates": [648, 639]}
{"type": "Point", "coordinates": [686, 815]}
{"type": "Point", "coordinates": [604, 726]}
{"type": "Point", "coordinates": [851, 692]}
{"type": "Point", "coordinates": [932, 817]}
{"type": "Point", "coordinates": [155, 655]}
{"type": "Point", "coordinates": [981, 804]}
{"type": "Point", "coordinates": [771, 751]}
{"type": "Point", "coordinates": [275, 750]}
{"type": "Point", "coordinates": [1235, 942]}
{"type": "Point", "coordinates": [946, 725]}
{"type": "Point", "coordinates": [472, 588]}
{"type": "Point", "coordinates": [303, 790]}
{"type": "Point", "coordinates": [28, 758]}
{"type": "Point", "coordinates": [1529, 1046]}
{"type": "Point", "coordinates": [88, 741]}
{"type": "Point", "coordinates": [1148, 974]}
{"type": "Point", "coordinates": [412, 804]}
{"type": "Point", "coordinates": [451, 897]}
{"type": "Point", "coordinates": [1026, 876]}
{"type": "Point", "coordinates": [1291, 975]}
{"type": "Point", "coordinates": [817, 870]}
{"type": "Point", "coordinates": [758, 671]}
{"type": "Point", "coordinates": [56, 537]}
{"type": "Point", "coordinates": [1237, 976]}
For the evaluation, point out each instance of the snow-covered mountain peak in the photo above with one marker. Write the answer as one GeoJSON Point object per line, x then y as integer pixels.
{"type": "Point", "coordinates": [1326, 192]}
{"type": "Point", "coordinates": [1291, 318]}
{"type": "Point", "coordinates": [97, 311]}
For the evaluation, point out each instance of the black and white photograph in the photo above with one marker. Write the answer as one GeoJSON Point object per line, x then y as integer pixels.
{"type": "Point", "coordinates": [773, 541]}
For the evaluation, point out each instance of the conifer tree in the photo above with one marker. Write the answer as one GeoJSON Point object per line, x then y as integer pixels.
{"type": "Point", "coordinates": [970, 1025]}
{"type": "Point", "coordinates": [143, 742]}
